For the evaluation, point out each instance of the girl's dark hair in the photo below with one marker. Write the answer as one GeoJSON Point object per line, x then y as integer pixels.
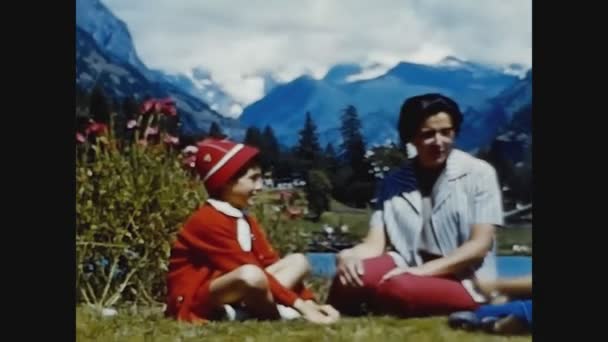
{"type": "Point", "coordinates": [253, 162]}
{"type": "Point", "coordinates": [415, 110]}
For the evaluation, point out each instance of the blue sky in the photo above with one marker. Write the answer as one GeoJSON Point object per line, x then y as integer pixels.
{"type": "Point", "coordinates": [237, 40]}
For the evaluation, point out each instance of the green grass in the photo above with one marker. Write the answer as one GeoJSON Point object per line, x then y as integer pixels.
{"type": "Point", "coordinates": [507, 237]}
{"type": "Point", "coordinates": [150, 325]}
{"type": "Point", "coordinates": [357, 222]}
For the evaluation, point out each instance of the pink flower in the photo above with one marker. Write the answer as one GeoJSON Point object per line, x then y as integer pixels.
{"type": "Point", "coordinates": [146, 107]}
{"type": "Point", "coordinates": [80, 137]}
{"type": "Point", "coordinates": [190, 149]}
{"type": "Point", "coordinates": [169, 139]}
{"type": "Point", "coordinates": [190, 161]}
{"type": "Point", "coordinates": [131, 124]}
{"type": "Point", "coordinates": [151, 131]}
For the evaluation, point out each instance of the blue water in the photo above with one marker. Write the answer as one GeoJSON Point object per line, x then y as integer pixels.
{"type": "Point", "coordinates": [513, 266]}
{"type": "Point", "coordinates": [324, 265]}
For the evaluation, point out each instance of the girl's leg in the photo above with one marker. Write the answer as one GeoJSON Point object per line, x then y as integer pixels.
{"type": "Point", "coordinates": [291, 270]}
{"type": "Point", "coordinates": [247, 284]}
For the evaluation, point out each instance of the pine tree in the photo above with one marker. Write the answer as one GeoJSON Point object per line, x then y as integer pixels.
{"type": "Point", "coordinates": [271, 150]}
{"type": "Point", "coordinates": [82, 109]}
{"type": "Point", "coordinates": [215, 131]}
{"type": "Point", "coordinates": [353, 145]}
{"type": "Point", "coordinates": [253, 137]}
{"type": "Point", "coordinates": [308, 145]}
{"type": "Point", "coordinates": [317, 191]}
{"type": "Point", "coordinates": [99, 106]}
{"type": "Point", "coordinates": [82, 98]}
{"type": "Point", "coordinates": [128, 111]}
{"type": "Point", "coordinates": [330, 159]}
{"type": "Point", "coordinates": [129, 108]}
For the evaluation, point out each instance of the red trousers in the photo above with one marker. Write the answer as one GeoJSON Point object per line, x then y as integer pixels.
{"type": "Point", "coordinates": [404, 295]}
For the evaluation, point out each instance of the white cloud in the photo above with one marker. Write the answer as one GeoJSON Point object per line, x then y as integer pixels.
{"type": "Point", "coordinates": [244, 89]}
{"type": "Point", "coordinates": [235, 110]}
{"type": "Point", "coordinates": [234, 38]}
{"type": "Point", "coordinates": [368, 73]}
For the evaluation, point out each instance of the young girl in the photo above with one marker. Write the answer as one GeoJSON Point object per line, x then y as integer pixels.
{"type": "Point", "coordinates": [222, 259]}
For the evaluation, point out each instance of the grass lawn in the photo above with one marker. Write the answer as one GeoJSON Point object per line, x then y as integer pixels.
{"type": "Point", "coordinates": [507, 237]}
{"type": "Point", "coordinates": [152, 326]}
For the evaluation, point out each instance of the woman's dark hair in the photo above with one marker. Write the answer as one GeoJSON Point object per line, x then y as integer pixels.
{"type": "Point", "coordinates": [415, 110]}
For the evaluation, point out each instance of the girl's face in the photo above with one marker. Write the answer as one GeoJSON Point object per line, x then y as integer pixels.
{"type": "Point", "coordinates": [239, 193]}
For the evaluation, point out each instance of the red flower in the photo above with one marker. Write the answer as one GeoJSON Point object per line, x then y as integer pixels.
{"type": "Point", "coordinates": [165, 106]}
{"type": "Point", "coordinates": [96, 128]}
{"type": "Point", "coordinates": [93, 128]}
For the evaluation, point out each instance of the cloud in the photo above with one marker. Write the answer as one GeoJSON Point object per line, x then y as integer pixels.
{"type": "Point", "coordinates": [234, 38]}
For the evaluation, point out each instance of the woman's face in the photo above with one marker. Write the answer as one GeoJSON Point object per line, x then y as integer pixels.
{"type": "Point", "coordinates": [434, 140]}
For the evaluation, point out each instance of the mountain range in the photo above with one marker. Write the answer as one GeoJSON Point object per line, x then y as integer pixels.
{"type": "Point", "coordinates": [495, 101]}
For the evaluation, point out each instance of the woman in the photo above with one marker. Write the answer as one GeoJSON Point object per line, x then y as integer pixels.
{"type": "Point", "coordinates": [432, 232]}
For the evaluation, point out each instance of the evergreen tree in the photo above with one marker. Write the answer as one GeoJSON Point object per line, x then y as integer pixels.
{"type": "Point", "coordinates": [317, 191]}
{"type": "Point", "coordinates": [253, 137]}
{"type": "Point", "coordinates": [215, 131]}
{"type": "Point", "coordinates": [353, 145]}
{"type": "Point", "coordinates": [331, 159]}
{"type": "Point", "coordinates": [271, 152]}
{"type": "Point", "coordinates": [99, 106]}
{"type": "Point", "coordinates": [308, 145]}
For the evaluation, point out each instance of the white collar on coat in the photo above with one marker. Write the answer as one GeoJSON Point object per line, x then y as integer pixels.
{"type": "Point", "coordinates": [225, 208]}
{"type": "Point", "coordinates": [243, 230]}
{"type": "Point", "coordinates": [458, 164]}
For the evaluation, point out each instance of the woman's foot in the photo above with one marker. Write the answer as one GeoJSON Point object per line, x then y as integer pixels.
{"type": "Point", "coordinates": [466, 320]}
{"type": "Point", "coordinates": [509, 325]}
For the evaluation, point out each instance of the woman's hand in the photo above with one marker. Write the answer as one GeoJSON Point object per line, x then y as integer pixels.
{"type": "Point", "coordinates": [349, 268]}
{"type": "Point", "coordinates": [419, 271]}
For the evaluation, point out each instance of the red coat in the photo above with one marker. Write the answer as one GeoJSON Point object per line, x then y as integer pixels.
{"type": "Point", "coordinates": [207, 248]}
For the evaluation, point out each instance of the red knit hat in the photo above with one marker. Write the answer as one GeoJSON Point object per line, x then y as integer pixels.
{"type": "Point", "coordinates": [217, 161]}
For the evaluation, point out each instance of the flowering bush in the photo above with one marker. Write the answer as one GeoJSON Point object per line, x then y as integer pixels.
{"type": "Point", "coordinates": [131, 199]}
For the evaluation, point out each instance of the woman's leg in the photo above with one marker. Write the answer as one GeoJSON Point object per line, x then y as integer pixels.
{"type": "Point", "coordinates": [247, 284]}
{"type": "Point", "coordinates": [408, 295]}
{"type": "Point", "coordinates": [516, 287]}
{"type": "Point", "coordinates": [348, 299]}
